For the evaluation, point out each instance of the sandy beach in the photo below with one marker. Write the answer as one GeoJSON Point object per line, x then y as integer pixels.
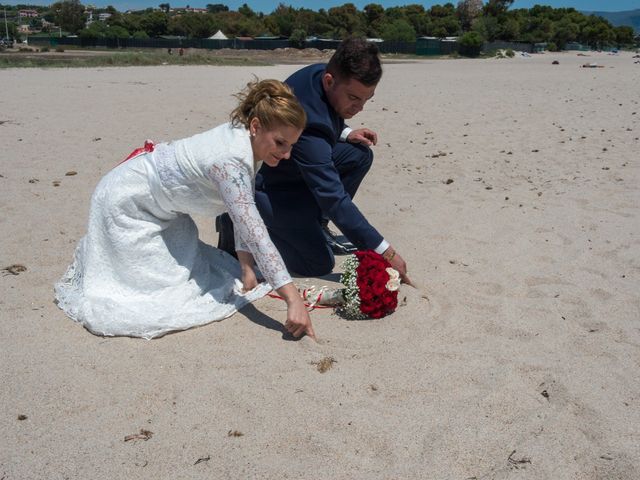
{"type": "Point", "coordinates": [509, 186]}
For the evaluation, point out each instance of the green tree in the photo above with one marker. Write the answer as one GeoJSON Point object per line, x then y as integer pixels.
{"type": "Point", "coordinates": [236, 24]}
{"type": "Point", "coordinates": [130, 22]}
{"type": "Point", "coordinates": [314, 23]}
{"type": "Point", "coordinates": [154, 23]}
{"type": "Point", "coordinates": [446, 27]}
{"type": "Point", "coordinates": [35, 23]}
{"type": "Point", "coordinates": [69, 15]}
{"type": "Point", "coordinates": [444, 21]}
{"type": "Point", "coordinates": [399, 31]}
{"type": "Point", "coordinates": [394, 13]}
{"type": "Point", "coordinates": [419, 19]}
{"type": "Point", "coordinates": [564, 31]}
{"type": "Point", "coordinates": [246, 11]}
{"type": "Point", "coordinates": [471, 44]}
{"type": "Point", "coordinates": [116, 32]}
{"type": "Point", "coordinates": [13, 31]}
{"type": "Point", "coordinates": [624, 36]}
{"type": "Point", "coordinates": [373, 14]}
{"type": "Point", "coordinates": [442, 11]}
{"type": "Point", "coordinates": [282, 20]}
{"type": "Point", "coordinates": [495, 8]}
{"type": "Point", "coordinates": [165, 7]}
{"type": "Point", "coordinates": [49, 16]}
{"type": "Point", "coordinates": [509, 29]}
{"type": "Point", "coordinates": [102, 30]}
{"type": "Point", "coordinates": [95, 30]}
{"type": "Point", "coordinates": [194, 25]}
{"type": "Point", "coordinates": [298, 38]}
{"type": "Point", "coordinates": [249, 27]}
{"type": "Point", "coordinates": [216, 8]}
{"type": "Point", "coordinates": [596, 32]}
{"type": "Point", "coordinates": [487, 27]}
{"type": "Point", "coordinates": [346, 21]}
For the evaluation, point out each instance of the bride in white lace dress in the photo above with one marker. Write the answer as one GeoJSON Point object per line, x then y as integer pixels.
{"type": "Point", "coordinates": [141, 269]}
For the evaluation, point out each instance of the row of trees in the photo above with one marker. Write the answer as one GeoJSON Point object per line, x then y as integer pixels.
{"type": "Point", "coordinates": [488, 21]}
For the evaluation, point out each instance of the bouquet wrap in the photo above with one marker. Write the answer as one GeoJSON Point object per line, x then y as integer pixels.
{"type": "Point", "coordinates": [370, 288]}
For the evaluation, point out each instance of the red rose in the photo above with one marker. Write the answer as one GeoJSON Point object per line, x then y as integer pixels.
{"type": "Point", "coordinates": [390, 302]}
{"type": "Point", "coordinates": [378, 288]}
{"type": "Point", "coordinates": [366, 295]}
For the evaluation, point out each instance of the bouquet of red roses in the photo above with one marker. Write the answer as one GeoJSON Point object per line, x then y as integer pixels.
{"type": "Point", "coordinates": [370, 288]}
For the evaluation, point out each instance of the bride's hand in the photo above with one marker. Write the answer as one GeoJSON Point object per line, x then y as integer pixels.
{"type": "Point", "coordinates": [249, 280]}
{"type": "Point", "coordinates": [298, 321]}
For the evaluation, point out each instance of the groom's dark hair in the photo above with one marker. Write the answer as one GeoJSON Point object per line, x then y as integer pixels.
{"type": "Point", "coordinates": [357, 59]}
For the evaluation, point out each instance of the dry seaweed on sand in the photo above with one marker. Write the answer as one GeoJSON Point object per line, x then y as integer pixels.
{"type": "Point", "coordinates": [325, 364]}
{"type": "Point", "coordinates": [516, 462]}
{"type": "Point", "coordinates": [15, 269]}
{"type": "Point", "coordinates": [143, 435]}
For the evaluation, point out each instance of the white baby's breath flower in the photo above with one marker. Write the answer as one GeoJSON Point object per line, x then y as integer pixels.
{"type": "Point", "coordinates": [351, 307]}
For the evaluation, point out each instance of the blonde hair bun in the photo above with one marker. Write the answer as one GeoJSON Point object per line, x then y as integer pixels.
{"type": "Point", "coordinates": [271, 102]}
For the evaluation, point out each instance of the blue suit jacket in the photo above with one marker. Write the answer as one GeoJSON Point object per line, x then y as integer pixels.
{"type": "Point", "coordinates": [311, 167]}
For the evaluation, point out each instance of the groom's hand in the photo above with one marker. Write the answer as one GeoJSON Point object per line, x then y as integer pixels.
{"type": "Point", "coordinates": [364, 136]}
{"type": "Point", "coordinates": [398, 263]}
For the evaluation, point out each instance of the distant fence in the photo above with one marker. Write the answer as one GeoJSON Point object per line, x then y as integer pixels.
{"type": "Point", "coordinates": [576, 46]}
{"type": "Point", "coordinates": [435, 47]}
{"type": "Point", "coordinates": [500, 45]}
{"type": "Point", "coordinates": [423, 46]}
{"type": "Point", "coordinates": [397, 47]}
{"type": "Point", "coordinates": [205, 43]}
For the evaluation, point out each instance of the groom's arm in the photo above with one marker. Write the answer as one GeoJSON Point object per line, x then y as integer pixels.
{"type": "Point", "coordinates": [313, 154]}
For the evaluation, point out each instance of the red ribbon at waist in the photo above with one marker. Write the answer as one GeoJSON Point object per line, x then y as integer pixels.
{"type": "Point", "coordinates": [148, 147]}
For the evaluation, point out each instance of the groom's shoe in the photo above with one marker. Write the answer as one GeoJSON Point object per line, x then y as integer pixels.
{"type": "Point", "coordinates": [226, 241]}
{"type": "Point", "coordinates": [338, 243]}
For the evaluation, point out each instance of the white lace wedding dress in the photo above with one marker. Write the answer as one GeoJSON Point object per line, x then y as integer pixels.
{"type": "Point", "coordinates": [141, 270]}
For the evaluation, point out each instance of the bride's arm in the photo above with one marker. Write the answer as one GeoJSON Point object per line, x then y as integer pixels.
{"type": "Point", "coordinates": [235, 183]}
{"type": "Point", "coordinates": [234, 180]}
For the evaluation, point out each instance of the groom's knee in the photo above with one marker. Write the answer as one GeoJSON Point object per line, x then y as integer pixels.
{"type": "Point", "coordinates": [367, 159]}
{"type": "Point", "coordinates": [363, 157]}
{"type": "Point", "coordinates": [312, 265]}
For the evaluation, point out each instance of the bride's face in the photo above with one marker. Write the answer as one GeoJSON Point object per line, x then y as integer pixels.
{"type": "Point", "coordinates": [271, 146]}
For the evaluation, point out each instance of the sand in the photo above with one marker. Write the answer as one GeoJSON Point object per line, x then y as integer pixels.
{"type": "Point", "coordinates": [509, 186]}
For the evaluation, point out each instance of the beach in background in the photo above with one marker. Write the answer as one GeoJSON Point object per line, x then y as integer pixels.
{"type": "Point", "coordinates": [509, 186]}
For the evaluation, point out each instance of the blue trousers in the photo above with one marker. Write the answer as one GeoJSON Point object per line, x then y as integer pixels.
{"type": "Point", "coordinates": [293, 217]}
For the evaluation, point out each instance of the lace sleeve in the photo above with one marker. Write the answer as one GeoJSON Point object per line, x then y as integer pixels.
{"type": "Point", "coordinates": [235, 183]}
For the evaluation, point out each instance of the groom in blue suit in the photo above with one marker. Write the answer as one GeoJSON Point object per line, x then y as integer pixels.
{"type": "Point", "coordinates": [298, 197]}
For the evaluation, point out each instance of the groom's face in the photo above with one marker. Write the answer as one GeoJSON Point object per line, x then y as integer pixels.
{"type": "Point", "coordinates": [347, 96]}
